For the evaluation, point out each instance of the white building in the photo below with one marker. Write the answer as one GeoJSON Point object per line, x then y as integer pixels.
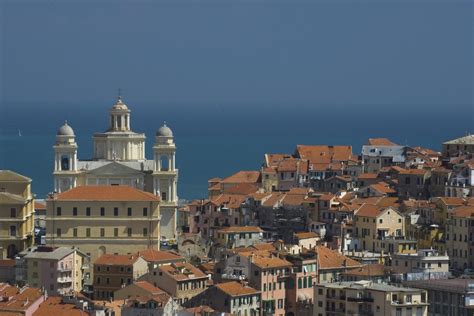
{"type": "Point", "coordinates": [119, 159]}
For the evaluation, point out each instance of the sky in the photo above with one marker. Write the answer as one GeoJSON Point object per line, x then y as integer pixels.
{"type": "Point", "coordinates": [409, 54]}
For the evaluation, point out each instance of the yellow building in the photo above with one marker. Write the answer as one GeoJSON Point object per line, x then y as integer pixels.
{"type": "Point", "coordinates": [374, 224]}
{"type": "Point", "coordinates": [16, 214]}
{"type": "Point", "coordinates": [459, 237]}
{"type": "Point", "coordinates": [104, 219]}
{"type": "Point", "coordinates": [368, 298]}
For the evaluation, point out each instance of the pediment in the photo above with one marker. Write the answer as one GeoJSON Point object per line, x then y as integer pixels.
{"type": "Point", "coordinates": [114, 168]}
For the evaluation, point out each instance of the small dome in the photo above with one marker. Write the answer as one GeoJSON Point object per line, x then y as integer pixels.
{"type": "Point", "coordinates": [164, 131]}
{"type": "Point", "coordinates": [65, 130]}
{"type": "Point", "coordinates": [120, 105]}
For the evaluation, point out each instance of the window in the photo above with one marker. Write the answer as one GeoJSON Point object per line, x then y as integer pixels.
{"type": "Point", "coordinates": [280, 303]}
{"type": "Point", "coordinates": [129, 232]}
{"type": "Point", "coordinates": [58, 232]}
{"type": "Point", "coordinates": [102, 211]}
{"type": "Point", "coordinates": [145, 232]}
{"type": "Point", "coordinates": [129, 211]}
{"type": "Point", "coordinates": [163, 196]}
{"type": "Point", "coordinates": [74, 232]}
{"type": "Point", "coordinates": [98, 280]}
{"type": "Point", "coordinates": [74, 211]}
{"type": "Point", "coordinates": [88, 232]}
{"type": "Point", "coordinates": [88, 211]}
{"type": "Point", "coordinates": [115, 232]}
{"type": "Point", "coordinates": [145, 211]}
{"type": "Point", "coordinates": [58, 211]}
{"type": "Point", "coordinates": [102, 232]}
{"type": "Point", "coordinates": [13, 231]}
{"type": "Point", "coordinates": [115, 211]}
{"type": "Point", "coordinates": [13, 212]}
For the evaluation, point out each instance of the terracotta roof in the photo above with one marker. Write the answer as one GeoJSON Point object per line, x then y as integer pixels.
{"type": "Point", "coordinates": [55, 306]}
{"type": "Point", "coordinates": [264, 246]}
{"type": "Point", "coordinates": [380, 142]}
{"type": "Point", "coordinates": [148, 287]}
{"type": "Point", "coordinates": [293, 199]}
{"type": "Point", "coordinates": [272, 160]}
{"type": "Point", "coordinates": [366, 176]}
{"type": "Point", "coordinates": [242, 189]}
{"type": "Point", "coordinates": [369, 210]}
{"type": "Point", "coordinates": [413, 171]}
{"type": "Point", "coordinates": [18, 301]}
{"type": "Point", "coordinates": [387, 201]}
{"type": "Point", "coordinates": [235, 288]}
{"type": "Point", "coordinates": [229, 200]}
{"type": "Point", "coordinates": [367, 270]}
{"type": "Point", "coordinates": [207, 267]}
{"type": "Point", "coordinates": [452, 200]}
{"type": "Point", "coordinates": [331, 259]}
{"type": "Point", "coordinates": [160, 298]}
{"type": "Point", "coordinates": [383, 187]}
{"type": "Point", "coordinates": [111, 259]}
{"type": "Point", "coordinates": [306, 235]}
{"type": "Point", "coordinates": [39, 206]}
{"type": "Point", "coordinates": [152, 255]}
{"type": "Point", "coordinates": [324, 153]}
{"type": "Point", "coordinates": [241, 229]}
{"type": "Point", "coordinates": [270, 262]}
{"type": "Point", "coordinates": [273, 199]}
{"type": "Point", "coordinates": [464, 211]}
{"type": "Point", "coordinates": [181, 271]}
{"type": "Point", "coordinates": [200, 310]}
{"type": "Point", "coordinates": [270, 170]}
{"type": "Point", "coordinates": [106, 193]}
{"type": "Point", "coordinates": [243, 177]}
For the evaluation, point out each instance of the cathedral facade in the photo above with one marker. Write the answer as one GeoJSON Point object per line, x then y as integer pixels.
{"type": "Point", "coordinates": [119, 159]}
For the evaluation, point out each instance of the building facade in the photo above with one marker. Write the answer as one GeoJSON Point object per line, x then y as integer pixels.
{"type": "Point", "coordinates": [16, 214]}
{"type": "Point", "coordinates": [104, 219]}
{"type": "Point", "coordinates": [119, 159]}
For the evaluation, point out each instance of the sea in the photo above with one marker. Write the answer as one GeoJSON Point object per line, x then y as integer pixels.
{"type": "Point", "coordinates": [218, 140]}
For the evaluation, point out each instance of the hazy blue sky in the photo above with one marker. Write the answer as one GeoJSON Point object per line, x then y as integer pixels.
{"type": "Point", "coordinates": [239, 52]}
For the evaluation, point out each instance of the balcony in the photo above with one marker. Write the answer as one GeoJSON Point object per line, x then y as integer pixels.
{"type": "Point", "coordinates": [67, 279]}
{"type": "Point", "coordinates": [64, 269]}
{"type": "Point", "coordinates": [361, 299]}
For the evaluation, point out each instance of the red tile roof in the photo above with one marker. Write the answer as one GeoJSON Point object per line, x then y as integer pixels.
{"type": "Point", "coordinates": [111, 259]}
{"type": "Point", "coordinates": [106, 193]}
{"type": "Point", "coordinates": [369, 210]}
{"type": "Point", "coordinates": [150, 288]}
{"type": "Point", "coordinates": [55, 306]}
{"type": "Point", "coordinates": [235, 288]}
{"type": "Point", "coordinates": [152, 255]}
{"type": "Point", "coordinates": [181, 271]}
{"type": "Point", "coordinates": [331, 259]}
{"type": "Point", "coordinates": [241, 229]}
{"type": "Point", "coordinates": [464, 211]}
{"type": "Point", "coordinates": [19, 301]}
{"type": "Point", "coordinates": [324, 153]}
{"type": "Point", "coordinates": [270, 262]}
{"type": "Point", "coordinates": [380, 142]}
{"type": "Point", "coordinates": [243, 177]}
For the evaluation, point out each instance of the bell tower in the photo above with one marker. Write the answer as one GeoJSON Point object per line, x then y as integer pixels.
{"type": "Point", "coordinates": [165, 180]}
{"type": "Point", "coordinates": [65, 159]}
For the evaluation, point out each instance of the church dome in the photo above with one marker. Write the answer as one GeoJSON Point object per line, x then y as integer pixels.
{"type": "Point", "coordinates": [65, 130]}
{"type": "Point", "coordinates": [120, 105]}
{"type": "Point", "coordinates": [164, 131]}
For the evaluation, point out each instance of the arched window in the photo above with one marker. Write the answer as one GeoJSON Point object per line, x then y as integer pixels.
{"type": "Point", "coordinates": [164, 163]}
{"type": "Point", "coordinates": [64, 162]}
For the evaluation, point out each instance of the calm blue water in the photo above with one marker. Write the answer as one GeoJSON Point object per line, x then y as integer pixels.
{"type": "Point", "coordinates": [216, 141]}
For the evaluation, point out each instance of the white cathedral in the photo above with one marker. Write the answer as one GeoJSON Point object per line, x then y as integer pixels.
{"type": "Point", "coordinates": [119, 159]}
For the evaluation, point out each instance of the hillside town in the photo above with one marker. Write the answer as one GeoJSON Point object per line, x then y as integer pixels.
{"type": "Point", "coordinates": [386, 229]}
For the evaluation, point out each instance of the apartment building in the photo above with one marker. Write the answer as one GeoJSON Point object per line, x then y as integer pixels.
{"type": "Point", "coordinates": [373, 224]}
{"type": "Point", "coordinates": [235, 298]}
{"type": "Point", "coordinates": [104, 219]}
{"type": "Point", "coordinates": [368, 298]}
{"type": "Point", "coordinates": [425, 262]}
{"type": "Point", "coordinates": [16, 214]}
{"type": "Point", "coordinates": [268, 274]}
{"type": "Point", "coordinates": [460, 237]}
{"type": "Point", "coordinates": [239, 236]}
{"type": "Point", "coordinates": [454, 297]}
{"type": "Point", "coordinates": [112, 272]}
{"type": "Point", "coordinates": [180, 280]}
{"type": "Point", "coordinates": [58, 270]}
{"type": "Point", "coordinates": [413, 183]}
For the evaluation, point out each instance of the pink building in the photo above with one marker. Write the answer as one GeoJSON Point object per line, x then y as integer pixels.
{"type": "Point", "coordinates": [20, 301]}
{"type": "Point", "coordinates": [269, 276]}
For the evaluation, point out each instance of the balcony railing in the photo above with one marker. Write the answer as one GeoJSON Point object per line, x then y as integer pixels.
{"type": "Point", "coordinates": [360, 299]}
